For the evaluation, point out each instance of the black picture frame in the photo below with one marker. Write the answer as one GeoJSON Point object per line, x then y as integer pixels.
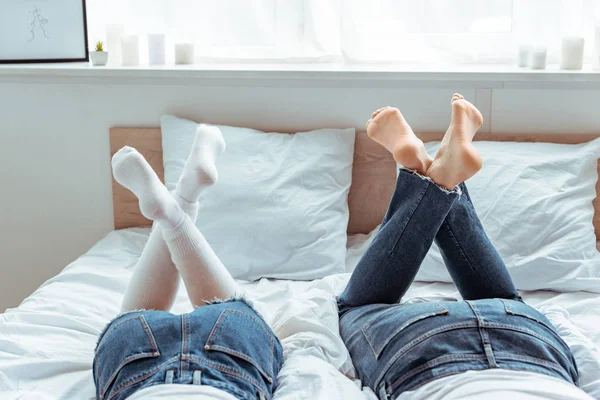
{"type": "Point", "coordinates": [59, 60]}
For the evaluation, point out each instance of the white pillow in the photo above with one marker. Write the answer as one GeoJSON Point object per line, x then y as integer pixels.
{"type": "Point", "coordinates": [535, 203]}
{"type": "Point", "coordinates": [280, 207]}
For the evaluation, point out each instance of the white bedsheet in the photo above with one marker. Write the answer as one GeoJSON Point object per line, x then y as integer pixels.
{"type": "Point", "coordinates": [47, 343]}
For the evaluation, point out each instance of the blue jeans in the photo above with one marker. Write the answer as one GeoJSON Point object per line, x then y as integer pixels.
{"type": "Point", "coordinates": [225, 345]}
{"type": "Point", "coordinates": [399, 347]}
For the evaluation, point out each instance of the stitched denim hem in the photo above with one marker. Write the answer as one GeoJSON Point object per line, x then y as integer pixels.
{"type": "Point", "coordinates": [456, 189]}
{"type": "Point", "coordinates": [237, 297]}
{"type": "Point", "coordinates": [234, 298]}
{"type": "Point", "coordinates": [394, 390]}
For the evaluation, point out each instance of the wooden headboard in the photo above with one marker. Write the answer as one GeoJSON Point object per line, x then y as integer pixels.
{"type": "Point", "coordinates": [373, 174]}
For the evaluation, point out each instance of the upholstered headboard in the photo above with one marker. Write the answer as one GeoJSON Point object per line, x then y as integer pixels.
{"type": "Point", "coordinates": [373, 174]}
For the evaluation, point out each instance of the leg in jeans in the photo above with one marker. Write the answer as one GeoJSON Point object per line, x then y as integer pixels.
{"type": "Point", "coordinates": [387, 268]}
{"type": "Point", "coordinates": [474, 264]}
{"type": "Point", "coordinates": [472, 260]}
{"type": "Point", "coordinates": [419, 207]}
{"type": "Point", "coordinates": [203, 274]}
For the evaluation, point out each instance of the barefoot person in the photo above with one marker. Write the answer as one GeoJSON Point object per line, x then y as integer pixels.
{"type": "Point", "coordinates": [223, 350]}
{"type": "Point", "coordinates": [489, 345]}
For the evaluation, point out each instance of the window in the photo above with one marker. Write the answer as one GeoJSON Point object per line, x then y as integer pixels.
{"type": "Point", "coordinates": [355, 31]}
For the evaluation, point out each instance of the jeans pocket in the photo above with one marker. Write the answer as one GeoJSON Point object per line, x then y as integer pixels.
{"type": "Point", "coordinates": [513, 307]}
{"type": "Point", "coordinates": [382, 328]}
{"type": "Point", "coordinates": [127, 339]}
{"type": "Point", "coordinates": [242, 335]}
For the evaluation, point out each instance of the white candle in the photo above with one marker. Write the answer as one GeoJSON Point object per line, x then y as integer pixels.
{"type": "Point", "coordinates": [571, 53]}
{"type": "Point", "coordinates": [596, 56]}
{"type": "Point", "coordinates": [184, 53]}
{"type": "Point", "coordinates": [538, 57]}
{"type": "Point", "coordinates": [113, 43]}
{"type": "Point", "coordinates": [523, 55]}
{"type": "Point", "coordinates": [156, 49]}
{"type": "Point", "coordinates": [130, 50]}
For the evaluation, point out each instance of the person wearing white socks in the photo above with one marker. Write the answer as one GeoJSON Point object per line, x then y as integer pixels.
{"type": "Point", "coordinates": [224, 349]}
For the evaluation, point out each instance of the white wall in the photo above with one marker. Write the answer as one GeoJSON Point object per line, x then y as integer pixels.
{"type": "Point", "coordinates": [54, 160]}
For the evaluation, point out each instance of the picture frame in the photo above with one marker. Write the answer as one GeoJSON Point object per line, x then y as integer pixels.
{"type": "Point", "coordinates": [43, 31]}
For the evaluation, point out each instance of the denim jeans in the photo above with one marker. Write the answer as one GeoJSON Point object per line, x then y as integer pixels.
{"type": "Point", "coordinates": [399, 347]}
{"type": "Point", "coordinates": [225, 345]}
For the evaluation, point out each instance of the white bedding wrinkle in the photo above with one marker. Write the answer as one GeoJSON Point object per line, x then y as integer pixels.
{"type": "Point", "coordinates": [47, 343]}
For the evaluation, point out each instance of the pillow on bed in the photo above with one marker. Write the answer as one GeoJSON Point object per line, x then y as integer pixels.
{"type": "Point", "coordinates": [279, 209]}
{"type": "Point", "coordinates": [535, 202]}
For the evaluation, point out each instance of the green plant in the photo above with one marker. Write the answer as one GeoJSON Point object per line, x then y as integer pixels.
{"type": "Point", "coordinates": [99, 46]}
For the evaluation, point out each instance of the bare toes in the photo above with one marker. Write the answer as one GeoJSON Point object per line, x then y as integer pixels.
{"type": "Point", "coordinates": [376, 113]}
{"type": "Point", "coordinates": [456, 97]}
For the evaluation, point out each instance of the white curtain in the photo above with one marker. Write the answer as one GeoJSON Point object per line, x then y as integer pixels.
{"type": "Point", "coordinates": [354, 31]}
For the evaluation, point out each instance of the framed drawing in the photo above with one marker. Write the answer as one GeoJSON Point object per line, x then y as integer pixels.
{"type": "Point", "coordinates": [35, 31]}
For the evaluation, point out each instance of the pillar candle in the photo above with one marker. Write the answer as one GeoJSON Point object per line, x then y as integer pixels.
{"type": "Point", "coordinates": [184, 53]}
{"type": "Point", "coordinates": [156, 49]}
{"type": "Point", "coordinates": [130, 50]}
{"type": "Point", "coordinates": [524, 55]}
{"type": "Point", "coordinates": [113, 43]}
{"type": "Point", "coordinates": [571, 53]}
{"type": "Point", "coordinates": [538, 57]}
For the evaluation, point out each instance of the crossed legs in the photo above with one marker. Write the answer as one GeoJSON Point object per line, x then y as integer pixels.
{"type": "Point", "coordinates": [175, 246]}
{"type": "Point", "coordinates": [430, 203]}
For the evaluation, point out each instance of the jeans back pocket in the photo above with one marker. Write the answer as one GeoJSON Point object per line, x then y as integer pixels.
{"type": "Point", "coordinates": [382, 328]}
{"type": "Point", "coordinates": [127, 339]}
{"type": "Point", "coordinates": [518, 308]}
{"type": "Point", "coordinates": [243, 335]}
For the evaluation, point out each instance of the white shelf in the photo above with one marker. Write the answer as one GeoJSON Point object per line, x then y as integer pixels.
{"type": "Point", "coordinates": [326, 75]}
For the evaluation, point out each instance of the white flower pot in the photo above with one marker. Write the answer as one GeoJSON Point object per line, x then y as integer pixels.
{"type": "Point", "coordinates": [99, 58]}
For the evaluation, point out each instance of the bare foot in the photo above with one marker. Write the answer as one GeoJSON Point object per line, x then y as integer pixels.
{"type": "Point", "coordinates": [389, 128]}
{"type": "Point", "coordinates": [457, 159]}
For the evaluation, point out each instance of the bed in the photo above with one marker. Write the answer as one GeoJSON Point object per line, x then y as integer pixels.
{"type": "Point", "coordinates": [47, 343]}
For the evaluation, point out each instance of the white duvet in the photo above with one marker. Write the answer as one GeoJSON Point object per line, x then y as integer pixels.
{"type": "Point", "coordinates": [47, 343]}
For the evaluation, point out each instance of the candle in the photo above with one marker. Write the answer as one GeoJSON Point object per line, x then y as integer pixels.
{"type": "Point", "coordinates": [113, 43]}
{"type": "Point", "coordinates": [184, 53]}
{"type": "Point", "coordinates": [596, 60]}
{"type": "Point", "coordinates": [538, 57]}
{"type": "Point", "coordinates": [524, 55]}
{"type": "Point", "coordinates": [572, 52]}
{"type": "Point", "coordinates": [156, 49]}
{"type": "Point", "coordinates": [130, 50]}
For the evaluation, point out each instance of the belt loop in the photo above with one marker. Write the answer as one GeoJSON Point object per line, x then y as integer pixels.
{"type": "Point", "coordinates": [169, 377]}
{"type": "Point", "coordinates": [382, 392]}
{"type": "Point", "coordinates": [196, 378]}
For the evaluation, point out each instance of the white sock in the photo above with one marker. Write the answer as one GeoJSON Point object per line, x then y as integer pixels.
{"type": "Point", "coordinates": [204, 275]}
{"type": "Point", "coordinates": [200, 170]}
{"type": "Point", "coordinates": [132, 171]}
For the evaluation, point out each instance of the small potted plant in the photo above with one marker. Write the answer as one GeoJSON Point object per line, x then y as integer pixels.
{"type": "Point", "coordinates": [99, 56]}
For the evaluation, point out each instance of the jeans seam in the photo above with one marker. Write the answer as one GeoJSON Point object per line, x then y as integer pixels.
{"type": "Point", "coordinates": [155, 351]}
{"type": "Point", "coordinates": [136, 379]}
{"type": "Point", "coordinates": [230, 371]}
{"type": "Point", "coordinates": [462, 252]}
{"type": "Point", "coordinates": [434, 363]}
{"type": "Point", "coordinates": [510, 311]}
{"type": "Point", "coordinates": [419, 340]}
{"type": "Point", "coordinates": [412, 212]}
{"type": "Point", "coordinates": [113, 328]}
{"type": "Point", "coordinates": [442, 311]}
{"type": "Point", "coordinates": [506, 356]}
{"type": "Point", "coordinates": [214, 331]}
{"type": "Point", "coordinates": [527, 332]}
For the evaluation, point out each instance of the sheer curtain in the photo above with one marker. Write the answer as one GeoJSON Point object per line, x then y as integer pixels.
{"type": "Point", "coordinates": [354, 31]}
